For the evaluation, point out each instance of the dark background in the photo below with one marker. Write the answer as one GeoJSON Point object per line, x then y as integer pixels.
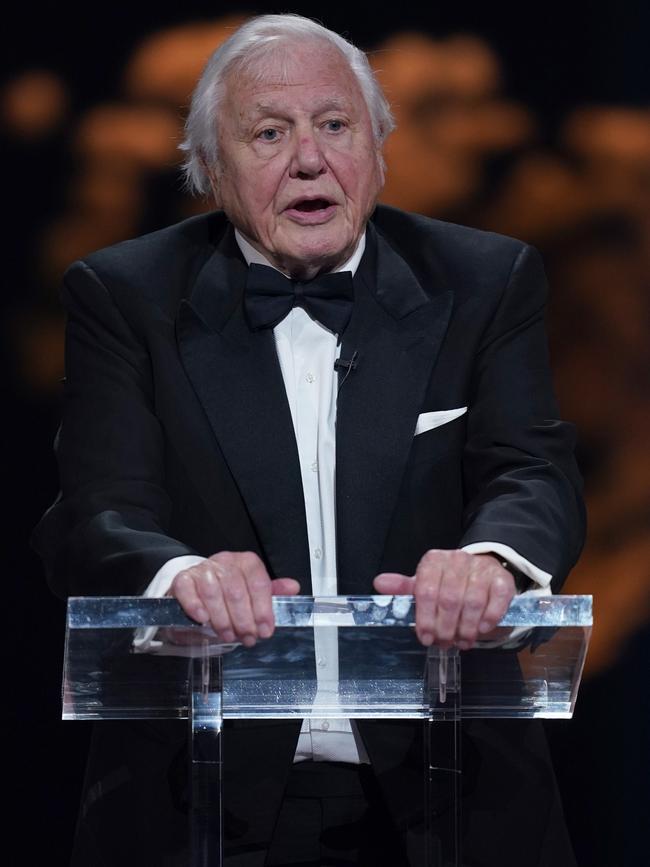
{"type": "Point", "coordinates": [556, 59]}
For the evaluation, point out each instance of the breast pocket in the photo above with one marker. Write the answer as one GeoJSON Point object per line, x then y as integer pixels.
{"type": "Point", "coordinates": [429, 420]}
{"type": "Point", "coordinates": [437, 433]}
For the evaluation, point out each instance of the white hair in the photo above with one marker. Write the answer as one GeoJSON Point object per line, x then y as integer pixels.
{"type": "Point", "coordinates": [251, 43]}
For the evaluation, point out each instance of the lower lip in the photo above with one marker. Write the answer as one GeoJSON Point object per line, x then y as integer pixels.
{"type": "Point", "coordinates": [311, 218]}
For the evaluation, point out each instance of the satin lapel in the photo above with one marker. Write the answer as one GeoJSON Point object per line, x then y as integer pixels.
{"type": "Point", "coordinates": [396, 329]}
{"type": "Point", "coordinates": [237, 378]}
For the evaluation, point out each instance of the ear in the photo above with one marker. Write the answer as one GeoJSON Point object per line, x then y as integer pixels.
{"type": "Point", "coordinates": [381, 166]}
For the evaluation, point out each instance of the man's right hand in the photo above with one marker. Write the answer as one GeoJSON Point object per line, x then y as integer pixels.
{"type": "Point", "coordinates": [232, 591]}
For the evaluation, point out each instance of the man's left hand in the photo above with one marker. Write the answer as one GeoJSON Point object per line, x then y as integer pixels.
{"type": "Point", "coordinates": [459, 597]}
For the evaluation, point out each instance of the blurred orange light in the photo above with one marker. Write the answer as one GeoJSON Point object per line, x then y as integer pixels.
{"type": "Point", "coordinates": [34, 103]}
{"type": "Point", "coordinates": [167, 64]}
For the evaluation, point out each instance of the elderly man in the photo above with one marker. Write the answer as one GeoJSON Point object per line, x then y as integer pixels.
{"type": "Point", "coordinates": [301, 391]}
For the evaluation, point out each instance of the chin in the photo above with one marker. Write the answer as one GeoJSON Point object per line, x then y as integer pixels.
{"type": "Point", "coordinates": [321, 251]}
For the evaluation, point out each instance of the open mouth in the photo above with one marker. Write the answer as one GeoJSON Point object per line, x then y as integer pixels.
{"type": "Point", "coordinates": [311, 211]}
{"type": "Point", "coordinates": [310, 205]}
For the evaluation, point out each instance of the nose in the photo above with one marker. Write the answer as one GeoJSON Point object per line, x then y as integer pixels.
{"type": "Point", "coordinates": [307, 160]}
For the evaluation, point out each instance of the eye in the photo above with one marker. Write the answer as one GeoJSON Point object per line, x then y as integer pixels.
{"type": "Point", "coordinates": [334, 125]}
{"type": "Point", "coordinates": [269, 134]}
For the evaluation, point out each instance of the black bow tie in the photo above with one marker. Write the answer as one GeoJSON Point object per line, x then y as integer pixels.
{"type": "Point", "coordinates": [270, 296]}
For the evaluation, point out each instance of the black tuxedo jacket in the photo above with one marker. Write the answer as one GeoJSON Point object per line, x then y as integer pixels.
{"type": "Point", "coordinates": [177, 436]}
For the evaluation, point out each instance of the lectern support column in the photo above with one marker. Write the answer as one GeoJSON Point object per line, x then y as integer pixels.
{"type": "Point", "coordinates": [206, 724]}
{"type": "Point", "coordinates": [442, 738]}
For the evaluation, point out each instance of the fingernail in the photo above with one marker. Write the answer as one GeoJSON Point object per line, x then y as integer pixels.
{"type": "Point", "coordinates": [248, 640]}
{"type": "Point", "coordinates": [463, 645]}
{"type": "Point", "coordinates": [427, 639]}
{"type": "Point", "coordinates": [484, 627]}
{"type": "Point", "coordinates": [202, 615]}
{"type": "Point", "coordinates": [264, 630]}
{"type": "Point", "coordinates": [227, 637]}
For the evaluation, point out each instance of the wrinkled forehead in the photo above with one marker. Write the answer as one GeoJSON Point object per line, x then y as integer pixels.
{"type": "Point", "coordinates": [286, 60]}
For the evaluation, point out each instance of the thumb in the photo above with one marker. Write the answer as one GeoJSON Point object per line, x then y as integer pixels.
{"type": "Point", "coordinates": [284, 587]}
{"type": "Point", "coordinates": [394, 583]}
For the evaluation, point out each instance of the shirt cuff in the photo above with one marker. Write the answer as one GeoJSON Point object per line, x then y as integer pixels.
{"type": "Point", "coordinates": [541, 580]}
{"type": "Point", "coordinates": [164, 577]}
{"type": "Point", "coordinates": [159, 586]}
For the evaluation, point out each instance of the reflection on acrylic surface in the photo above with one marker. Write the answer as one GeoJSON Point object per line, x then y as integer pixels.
{"type": "Point", "coordinates": [331, 657]}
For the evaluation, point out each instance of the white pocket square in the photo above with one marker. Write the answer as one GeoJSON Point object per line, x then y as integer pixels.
{"type": "Point", "coordinates": [429, 420]}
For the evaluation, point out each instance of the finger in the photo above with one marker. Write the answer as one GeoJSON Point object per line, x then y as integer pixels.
{"type": "Point", "coordinates": [451, 595]}
{"type": "Point", "coordinates": [472, 613]}
{"type": "Point", "coordinates": [184, 590]}
{"type": "Point", "coordinates": [208, 587]}
{"type": "Point", "coordinates": [394, 584]}
{"type": "Point", "coordinates": [258, 584]}
{"type": "Point", "coordinates": [236, 596]}
{"type": "Point", "coordinates": [284, 587]}
{"type": "Point", "coordinates": [502, 591]}
{"type": "Point", "coordinates": [428, 576]}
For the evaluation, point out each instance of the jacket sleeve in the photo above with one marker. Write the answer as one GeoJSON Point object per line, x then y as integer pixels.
{"type": "Point", "coordinates": [105, 534]}
{"type": "Point", "coordinates": [522, 485]}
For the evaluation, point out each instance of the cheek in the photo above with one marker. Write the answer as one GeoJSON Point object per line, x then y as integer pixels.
{"type": "Point", "coordinates": [358, 172]}
{"type": "Point", "coordinates": [246, 197]}
{"type": "Point", "coordinates": [260, 188]}
{"type": "Point", "coordinates": [364, 184]}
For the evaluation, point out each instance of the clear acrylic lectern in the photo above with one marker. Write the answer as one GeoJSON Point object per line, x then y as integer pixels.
{"type": "Point", "coordinates": [330, 657]}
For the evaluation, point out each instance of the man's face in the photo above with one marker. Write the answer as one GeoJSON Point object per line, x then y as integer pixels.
{"type": "Point", "coordinates": [299, 170]}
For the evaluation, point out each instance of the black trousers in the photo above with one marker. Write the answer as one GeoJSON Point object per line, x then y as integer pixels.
{"type": "Point", "coordinates": [333, 814]}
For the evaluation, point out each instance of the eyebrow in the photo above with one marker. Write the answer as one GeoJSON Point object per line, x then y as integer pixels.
{"type": "Point", "coordinates": [332, 104]}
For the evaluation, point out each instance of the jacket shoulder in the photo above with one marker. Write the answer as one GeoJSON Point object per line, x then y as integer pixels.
{"type": "Point", "coordinates": [461, 252]}
{"type": "Point", "coordinates": [154, 263]}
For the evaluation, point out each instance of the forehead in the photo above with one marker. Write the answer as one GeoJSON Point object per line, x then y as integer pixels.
{"type": "Point", "coordinates": [294, 75]}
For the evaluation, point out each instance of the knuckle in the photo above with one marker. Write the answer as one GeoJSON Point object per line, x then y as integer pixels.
{"type": "Point", "coordinates": [259, 584]}
{"type": "Point", "coordinates": [223, 558]}
{"type": "Point", "coordinates": [183, 581]}
{"type": "Point", "coordinates": [457, 556]}
{"type": "Point", "coordinates": [500, 586]}
{"type": "Point", "coordinates": [235, 591]}
{"type": "Point", "coordinates": [477, 578]}
{"type": "Point", "coordinates": [207, 585]}
{"type": "Point", "coordinates": [473, 606]}
{"type": "Point", "coordinates": [426, 592]}
{"type": "Point", "coordinates": [220, 570]}
{"type": "Point", "coordinates": [431, 556]}
{"type": "Point", "coordinates": [249, 560]}
{"type": "Point", "coordinates": [448, 600]}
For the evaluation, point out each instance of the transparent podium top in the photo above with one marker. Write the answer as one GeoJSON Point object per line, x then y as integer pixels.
{"type": "Point", "coordinates": [345, 657]}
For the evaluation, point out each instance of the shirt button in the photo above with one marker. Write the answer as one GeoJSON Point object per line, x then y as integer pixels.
{"type": "Point", "coordinates": [318, 553]}
{"type": "Point", "coordinates": [310, 377]}
{"type": "Point", "coordinates": [314, 466]}
{"type": "Point", "coordinates": [325, 726]}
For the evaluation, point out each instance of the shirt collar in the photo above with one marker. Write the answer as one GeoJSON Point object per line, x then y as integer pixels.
{"type": "Point", "coordinates": [254, 257]}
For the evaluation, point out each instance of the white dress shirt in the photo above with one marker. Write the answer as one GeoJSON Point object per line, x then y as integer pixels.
{"type": "Point", "coordinates": [306, 353]}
